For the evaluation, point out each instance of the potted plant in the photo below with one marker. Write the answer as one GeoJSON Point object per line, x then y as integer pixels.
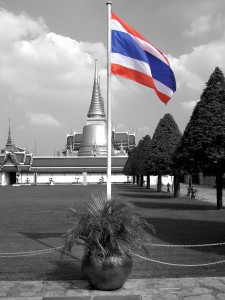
{"type": "Point", "coordinates": [109, 232]}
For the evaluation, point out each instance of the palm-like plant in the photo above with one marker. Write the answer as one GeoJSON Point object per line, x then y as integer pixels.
{"type": "Point", "coordinates": [108, 228]}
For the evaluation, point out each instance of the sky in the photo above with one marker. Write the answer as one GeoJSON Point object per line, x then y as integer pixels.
{"type": "Point", "coordinates": [47, 54]}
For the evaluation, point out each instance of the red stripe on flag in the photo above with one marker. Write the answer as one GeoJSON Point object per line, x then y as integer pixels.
{"type": "Point", "coordinates": [130, 30]}
{"type": "Point", "coordinates": [138, 77]}
{"type": "Point", "coordinates": [133, 75]}
{"type": "Point", "coordinates": [164, 98]}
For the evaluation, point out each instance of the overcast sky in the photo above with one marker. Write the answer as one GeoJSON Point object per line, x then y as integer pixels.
{"type": "Point", "coordinates": [47, 53]}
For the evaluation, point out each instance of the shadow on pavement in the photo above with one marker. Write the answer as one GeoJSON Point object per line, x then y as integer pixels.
{"type": "Point", "coordinates": [41, 235]}
{"type": "Point", "coordinates": [189, 232]}
{"type": "Point", "coordinates": [64, 270]}
{"type": "Point", "coordinates": [171, 205]}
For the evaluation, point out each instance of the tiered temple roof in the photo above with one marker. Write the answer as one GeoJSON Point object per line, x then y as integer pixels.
{"type": "Point", "coordinates": [13, 158]}
{"type": "Point", "coordinates": [96, 109]}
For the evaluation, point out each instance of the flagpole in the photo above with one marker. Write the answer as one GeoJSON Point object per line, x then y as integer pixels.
{"type": "Point", "coordinates": [109, 125]}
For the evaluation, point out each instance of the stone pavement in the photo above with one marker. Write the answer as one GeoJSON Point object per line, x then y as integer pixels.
{"type": "Point", "coordinates": [204, 288]}
{"type": "Point", "coordinates": [205, 193]}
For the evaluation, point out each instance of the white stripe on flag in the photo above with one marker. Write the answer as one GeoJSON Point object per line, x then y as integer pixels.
{"type": "Point", "coordinates": [115, 25]}
{"type": "Point", "coordinates": [131, 63]}
{"type": "Point", "coordinates": [162, 88]}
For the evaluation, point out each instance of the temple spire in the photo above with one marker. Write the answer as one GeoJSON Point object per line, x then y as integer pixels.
{"type": "Point", "coordinates": [94, 137]}
{"type": "Point", "coordinates": [99, 87]}
{"type": "Point", "coordinates": [96, 109]}
{"type": "Point", "coordinates": [9, 141]}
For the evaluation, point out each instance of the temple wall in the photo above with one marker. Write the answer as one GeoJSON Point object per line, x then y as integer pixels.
{"type": "Point", "coordinates": [69, 178]}
{"type": "Point", "coordinates": [59, 178]}
{"type": "Point", "coordinates": [119, 178]}
{"type": "Point", "coordinates": [165, 180]}
{"type": "Point", "coordinates": [92, 178]}
{"type": "Point", "coordinates": [207, 180]}
{"type": "Point", "coordinates": [204, 180]}
{"type": "Point", "coordinates": [26, 178]}
{"type": "Point", "coordinates": [77, 178]}
{"type": "Point", "coordinates": [3, 179]}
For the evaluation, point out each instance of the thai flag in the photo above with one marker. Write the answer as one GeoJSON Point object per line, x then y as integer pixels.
{"type": "Point", "coordinates": [135, 58]}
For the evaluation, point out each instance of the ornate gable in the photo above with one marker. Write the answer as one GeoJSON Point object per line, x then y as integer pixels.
{"type": "Point", "coordinates": [10, 159]}
{"type": "Point", "coordinates": [10, 162]}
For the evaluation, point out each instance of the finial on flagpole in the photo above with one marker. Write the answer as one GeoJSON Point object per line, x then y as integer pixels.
{"type": "Point", "coordinates": [108, 2]}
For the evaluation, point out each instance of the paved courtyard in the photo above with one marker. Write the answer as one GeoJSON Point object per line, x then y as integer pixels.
{"type": "Point", "coordinates": [205, 193]}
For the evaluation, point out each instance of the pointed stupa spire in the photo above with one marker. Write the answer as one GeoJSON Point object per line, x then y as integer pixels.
{"type": "Point", "coordinates": [96, 109]}
{"type": "Point", "coordinates": [9, 141]}
{"type": "Point", "coordinates": [99, 87]}
{"type": "Point", "coordinates": [9, 145]}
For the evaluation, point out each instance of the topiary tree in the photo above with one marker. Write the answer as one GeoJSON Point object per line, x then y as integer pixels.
{"type": "Point", "coordinates": [129, 167]}
{"type": "Point", "coordinates": [202, 147]}
{"type": "Point", "coordinates": [164, 142]}
{"type": "Point", "coordinates": [142, 152]}
{"type": "Point", "coordinates": [136, 163]}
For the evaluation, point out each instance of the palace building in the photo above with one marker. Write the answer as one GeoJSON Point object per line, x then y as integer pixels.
{"type": "Point", "coordinates": [84, 159]}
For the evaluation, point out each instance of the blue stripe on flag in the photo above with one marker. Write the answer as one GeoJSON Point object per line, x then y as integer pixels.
{"type": "Point", "coordinates": [124, 44]}
{"type": "Point", "coordinates": [162, 72]}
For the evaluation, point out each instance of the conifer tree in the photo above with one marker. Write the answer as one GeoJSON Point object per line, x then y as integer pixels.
{"type": "Point", "coordinates": [136, 163]}
{"type": "Point", "coordinates": [202, 147]}
{"type": "Point", "coordinates": [164, 142]}
{"type": "Point", "coordinates": [129, 167]}
{"type": "Point", "coordinates": [143, 148]}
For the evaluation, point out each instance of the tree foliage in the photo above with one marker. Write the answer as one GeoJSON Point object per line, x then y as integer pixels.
{"type": "Point", "coordinates": [202, 147]}
{"type": "Point", "coordinates": [137, 159]}
{"type": "Point", "coordinates": [129, 167]}
{"type": "Point", "coordinates": [164, 142]}
{"type": "Point", "coordinates": [135, 164]}
{"type": "Point", "coordinates": [142, 152]}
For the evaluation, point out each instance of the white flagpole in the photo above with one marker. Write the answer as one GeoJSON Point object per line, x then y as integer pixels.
{"type": "Point", "coordinates": [109, 125]}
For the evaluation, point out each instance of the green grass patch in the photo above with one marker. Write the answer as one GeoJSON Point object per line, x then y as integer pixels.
{"type": "Point", "coordinates": [35, 217]}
